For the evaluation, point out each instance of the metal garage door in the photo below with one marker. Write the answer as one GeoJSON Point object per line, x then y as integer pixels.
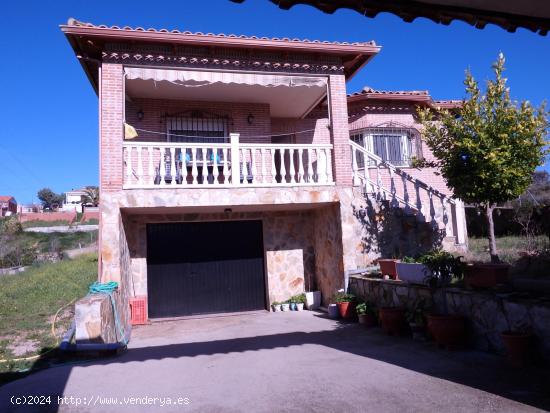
{"type": "Point", "coordinates": [204, 268]}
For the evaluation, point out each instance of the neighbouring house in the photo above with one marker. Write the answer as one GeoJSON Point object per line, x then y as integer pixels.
{"type": "Point", "coordinates": [8, 205]}
{"type": "Point", "coordinates": [235, 171]}
{"type": "Point", "coordinates": [74, 200]}
{"type": "Point", "coordinates": [30, 208]}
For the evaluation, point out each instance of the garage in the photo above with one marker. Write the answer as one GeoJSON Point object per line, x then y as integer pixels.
{"type": "Point", "coordinates": [205, 268]}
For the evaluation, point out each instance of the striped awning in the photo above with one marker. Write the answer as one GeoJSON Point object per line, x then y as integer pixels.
{"type": "Point", "coordinates": [196, 78]}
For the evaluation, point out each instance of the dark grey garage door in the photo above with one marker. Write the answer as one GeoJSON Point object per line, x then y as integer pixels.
{"type": "Point", "coordinates": [206, 267]}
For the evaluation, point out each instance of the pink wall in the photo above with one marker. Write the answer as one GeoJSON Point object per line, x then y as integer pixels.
{"type": "Point", "coordinates": [48, 216]}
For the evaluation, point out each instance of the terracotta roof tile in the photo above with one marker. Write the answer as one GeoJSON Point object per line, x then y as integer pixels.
{"type": "Point", "coordinates": [77, 23]}
{"type": "Point", "coordinates": [405, 95]}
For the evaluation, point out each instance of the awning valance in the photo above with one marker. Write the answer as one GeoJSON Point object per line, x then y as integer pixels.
{"type": "Point", "coordinates": [195, 78]}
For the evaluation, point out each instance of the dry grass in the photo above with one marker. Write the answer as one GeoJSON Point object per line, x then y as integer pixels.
{"type": "Point", "coordinates": [510, 248]}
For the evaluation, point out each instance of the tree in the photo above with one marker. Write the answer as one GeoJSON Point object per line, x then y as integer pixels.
{"type": "Point", "coordinates": [488, 152]}
{"type": "Point", "coordinates": [49, 198]}
{"type": "Point", "coordinates": [92, 196]}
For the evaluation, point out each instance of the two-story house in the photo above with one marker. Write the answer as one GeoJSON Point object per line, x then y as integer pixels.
{"type": "Point", "coordinates": [227, 175]}
{"type": "Point", "coordinates": [8, 205]}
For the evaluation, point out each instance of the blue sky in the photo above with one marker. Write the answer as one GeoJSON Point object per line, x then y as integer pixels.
{"type": "Point", "coordinates": [49, 110]}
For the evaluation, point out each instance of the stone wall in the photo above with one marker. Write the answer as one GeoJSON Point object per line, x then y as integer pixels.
{"type": "Point", "coordinates": [488, 314]}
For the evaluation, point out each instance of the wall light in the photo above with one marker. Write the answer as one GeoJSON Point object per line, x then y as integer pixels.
{"type": "Point", "coordinates": [140, 115]}
{"type": "Point", "coordinates": [250, 119]}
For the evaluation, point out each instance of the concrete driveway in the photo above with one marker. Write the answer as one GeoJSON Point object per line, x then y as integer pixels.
{"type": "Point", "coordinates": [283, 362]}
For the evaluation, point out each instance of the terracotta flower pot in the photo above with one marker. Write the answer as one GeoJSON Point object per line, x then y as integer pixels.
{"type": "Point", "coordinates": [447, 330]}
{"type": "Point", "coordinates": [485, 275]}
{"type": "Point", "coordinates": [392, 320]}
{"type": "Point", "coordinates": [388, 267]}
{"type": "Point", "coordinates": [368, 320]}
{"type": "Point", "coordinates": [517, 347]}
{"type": "Point", "coordinates": [347, 310]}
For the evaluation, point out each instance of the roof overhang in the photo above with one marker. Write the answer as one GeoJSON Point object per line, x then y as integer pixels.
{"type": "Point", "coordinates": [418, 98]}
{"type": "Point", "coordinates": [88, 42]}
{"type": "Point", "coordinates": [533, 15]}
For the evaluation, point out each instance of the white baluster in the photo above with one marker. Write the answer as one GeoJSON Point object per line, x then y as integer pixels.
{"type": "Point", "coordinates": [253, 164]}
{"type": "Point", "coordinates": [283, 167]}
{"type": "Point", "coordinates": [322, 166]}
{"type": "Point", "coordinates": [292, 169]}
{"type": "Point", "coordinates": [300, 165]}
{"type": "Point", "coordinates": [215, 172]}
{"type": "Point", "coordinates": [354, 167]}
{"type": "Point", "coordinates": [194, 169]}
{"type": "Point", "coordinates": [309, 176]}
{"type": "Point", "coordinates": [273, 169]}
{"type": "Point", "coordinates": [330, 178]}
{"type": "Point", "coordinates": [225, 166]}
{"type": "Point", "coordinates": [151, 169]}
{"type": "Point", "coordinates": [263, 152]}
{"type": "Point", "coordinates": [140, 166]}
{"type": "Point", "coordinates": [129, 164]}
{"type": "Point", "coordinates": [162, 166]}
{"type": "Point", "coordinates": [173, 164]}
{"type": "Point", "coordinates": [379, 181]}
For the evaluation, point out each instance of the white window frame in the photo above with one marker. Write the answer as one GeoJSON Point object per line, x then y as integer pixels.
{"type": "Point", "coordinates": [405, 146]}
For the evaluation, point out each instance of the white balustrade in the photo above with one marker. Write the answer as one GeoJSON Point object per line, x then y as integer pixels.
{"type": "Point", "coordinates": [231, 164]}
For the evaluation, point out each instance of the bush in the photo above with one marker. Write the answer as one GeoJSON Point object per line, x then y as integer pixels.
{"type": "Point", "coordinates": [341, 297]}
{"type": "Point", "coordinates": [10, 226]}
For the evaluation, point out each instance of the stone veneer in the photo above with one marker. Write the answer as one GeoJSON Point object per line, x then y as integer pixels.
{"type": "Point", "coordinates": [487, 313]}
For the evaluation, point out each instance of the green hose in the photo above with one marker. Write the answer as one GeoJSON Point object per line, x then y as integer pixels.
{"type": "Point", "coordinates": [108, 288]}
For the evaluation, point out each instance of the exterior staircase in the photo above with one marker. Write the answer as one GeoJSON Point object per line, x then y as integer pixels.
{"type": "Point", "coordinates": [409, 215]}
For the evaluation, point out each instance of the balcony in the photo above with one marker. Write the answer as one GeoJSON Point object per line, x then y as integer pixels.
{"type": "Point", "coordinates": [225, 163]}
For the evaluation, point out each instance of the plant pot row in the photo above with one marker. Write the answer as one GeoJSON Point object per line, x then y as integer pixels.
{"type": "Point", "coordinates": [475, 275]}
{"type": "Point", "coordinates": [287, 307]}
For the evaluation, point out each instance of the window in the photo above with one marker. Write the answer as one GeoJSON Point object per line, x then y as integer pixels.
{"type": "Point", "coordinates": [199, 129]}
{"type": "Point", "coordinates": [394, 146]}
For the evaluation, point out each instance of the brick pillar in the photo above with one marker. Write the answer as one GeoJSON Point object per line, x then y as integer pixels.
{"type": "Point", "coordinates": [110, 169]}
{"type": "Point", "coordinates": [341, 157]}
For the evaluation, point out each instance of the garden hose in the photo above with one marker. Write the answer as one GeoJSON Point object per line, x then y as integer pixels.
{"type": "Point", "coordinates": [53, 334]}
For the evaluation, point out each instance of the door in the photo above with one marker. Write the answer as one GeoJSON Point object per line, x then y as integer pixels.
{"type": "Point", "coordinates": [205, 268]}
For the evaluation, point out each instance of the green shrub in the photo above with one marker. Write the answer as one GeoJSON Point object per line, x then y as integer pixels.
{"type": "Point", "coordinates": [341, 297]}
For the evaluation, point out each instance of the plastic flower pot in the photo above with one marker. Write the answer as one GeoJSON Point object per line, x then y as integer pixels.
{"type": "Point", "coordinates": [313, 300]}
{"type": "Point", "coordinates": [333, 311]}
{"type": "Point", "coordinates": [413, 273]}
{"type": "Point", "coordinates": [448, 331]}
{"type": "Point", "coordinates": [285, 307]}
{"type": "Point", "coordinates": [299, 306]}
{"type": "Point", "coordinates": [368, 320]}
{"type": "Point", "coordinates": [418, 331]}
{"type": "Point", "coordinates": [517, 347]}
{"type": "Point", "coordinates": [347, 310]}
{"type": "Point", "coordinates": [388, 267]}
{"type": "Point", "coordinates": [292, 306]}
{"type": "Point", "coordinates": [276, 307]}
{"type": "Point", "coordinates": [485, 275]}
{"type": "Point", "coordinates": [392, 320]}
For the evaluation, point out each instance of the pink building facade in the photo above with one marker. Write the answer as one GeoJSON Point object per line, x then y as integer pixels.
{"type": "Point", "coordinates": [227, 175]}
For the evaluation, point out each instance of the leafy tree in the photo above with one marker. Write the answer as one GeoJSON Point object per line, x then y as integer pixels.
{"type": "Point", "coordinates": [92, 196]}
{"type": "Point", "coordinates": [487, 152]}
{"type": "Point", "coordinates": [49, 198]}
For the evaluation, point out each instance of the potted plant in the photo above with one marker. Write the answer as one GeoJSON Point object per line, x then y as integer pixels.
{"type": "Point", "coordinates": [276, 306]}
{"type": "Point", "coordinates": [486, 275]}
{"type": "Point", "coordinates": [447, 329]}
{"type": "Point", "coordinates": [412, 271]}
{"type": "Point", "coordinates": [313, 300]}
{"type": "Point", "coordinates": [388, 267]}
{"type": "Point", "coordinates": [285, 305]}
{"type": "Point", "coordinates": [346, 305]}
{"type": "Point", "coordinates": [392, 320]}
{"type": "Point", "coordinates": [518, 342]}
{"type": "Point", "coordinates": [416, 317]}
{"type": "Point", "coordinates": [299, 301]}
{"type": "Point", "coordinates": [292, 303]}
{"type": "Point", "coordinates": [366, 313]}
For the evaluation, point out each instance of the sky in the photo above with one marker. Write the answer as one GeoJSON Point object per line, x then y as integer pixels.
{"type": "Point", "coordinates": [49, 134]}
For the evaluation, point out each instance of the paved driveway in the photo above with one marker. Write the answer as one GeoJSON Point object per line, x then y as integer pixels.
{"type": "Point", "coordinates": [284, 362]}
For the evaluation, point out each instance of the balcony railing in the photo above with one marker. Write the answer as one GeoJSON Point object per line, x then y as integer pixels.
{"type": "Point", "coordinates": [233, 164]}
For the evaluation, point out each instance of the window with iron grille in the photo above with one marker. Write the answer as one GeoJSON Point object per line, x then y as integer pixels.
{"type": "Point", "coordinates": [197, 128]}
{"type": "Point", "coordinates": [396, 146]}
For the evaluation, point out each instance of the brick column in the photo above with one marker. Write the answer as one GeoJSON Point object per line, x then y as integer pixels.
{"type": "Point", "coordinates": [341, 158]}
{"type": "Point", "coordinates": [110, 169]}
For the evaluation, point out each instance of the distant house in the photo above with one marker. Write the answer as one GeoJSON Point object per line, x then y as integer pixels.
{"type": "Point", "coordinates": [74, 200]}
{"type": "Point", "coordinates": [29, 209]}
{"type": "Point", "coordinates": [8, 205]}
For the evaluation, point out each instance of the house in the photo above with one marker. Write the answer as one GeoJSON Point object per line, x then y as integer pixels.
{"type": "Point", "coordinates": [74, 200]}
{"type": "Point", "coordinates": [30, 208]}
{"type": "Point", "coordinates": [228, 178]}
{"type": "Point", "coordinates": [8, 205]}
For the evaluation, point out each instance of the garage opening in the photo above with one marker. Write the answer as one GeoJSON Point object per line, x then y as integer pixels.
{"type": "Point", "coordinates": [205, 268]}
